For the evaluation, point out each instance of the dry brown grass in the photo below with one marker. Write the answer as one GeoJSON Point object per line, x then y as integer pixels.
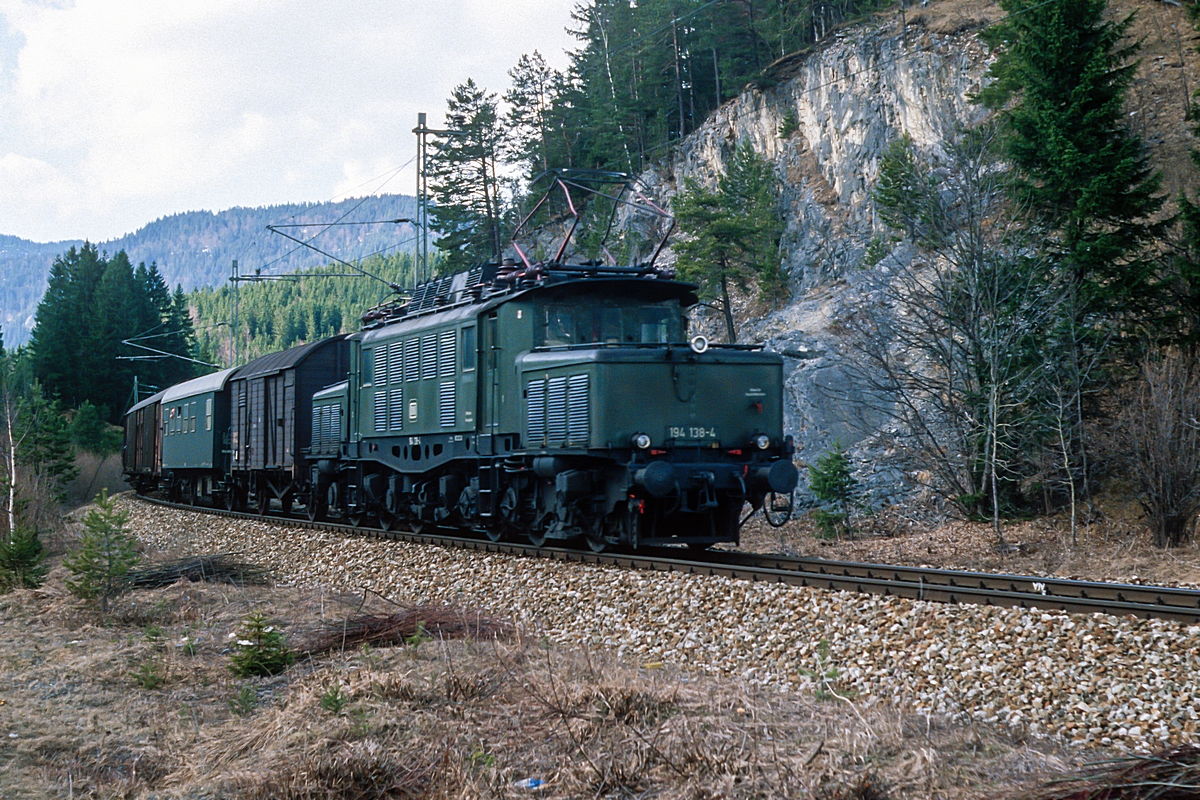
{"type": "Point", "coordinates": [434, 717]}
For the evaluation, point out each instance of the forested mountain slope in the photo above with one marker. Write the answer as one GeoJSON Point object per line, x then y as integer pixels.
{"type": "Point", "coordinates": [195, 248]}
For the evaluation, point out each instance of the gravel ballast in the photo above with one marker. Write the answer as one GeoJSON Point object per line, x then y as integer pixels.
{"type": "Point", "coordinates": [1089, 679]}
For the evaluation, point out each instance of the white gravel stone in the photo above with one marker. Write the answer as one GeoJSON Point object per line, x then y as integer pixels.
{"type": "Point", "coordinates": [1092, 680]}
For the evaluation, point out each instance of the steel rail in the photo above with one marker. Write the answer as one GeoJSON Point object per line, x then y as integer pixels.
{"type": "Point", "coordinates": [917, 583]}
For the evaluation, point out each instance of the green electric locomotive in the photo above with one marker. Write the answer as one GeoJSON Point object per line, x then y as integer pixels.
{"type": "Point", "coordinates": [550, 402]}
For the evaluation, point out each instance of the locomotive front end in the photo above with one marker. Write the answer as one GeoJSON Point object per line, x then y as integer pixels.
{"type": "Point", "coordinates": [648, 440]}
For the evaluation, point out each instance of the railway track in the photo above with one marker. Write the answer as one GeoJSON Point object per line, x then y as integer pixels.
{"type": "Point", "coordinates": [918, 583]}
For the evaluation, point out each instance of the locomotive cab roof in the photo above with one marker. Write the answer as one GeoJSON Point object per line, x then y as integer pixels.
{"type": "Point", "coordinates": [489, 285]}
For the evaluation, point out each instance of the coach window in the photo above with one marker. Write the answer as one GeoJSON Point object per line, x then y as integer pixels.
{"type": "Point", "coordinates": [194, 415]}
{"type": "Point", "coordinates": [208, 411]}
{"type": "Point", "coordinates": [368, 367]}
{"type": "Point", "coordinates": [468, 349]}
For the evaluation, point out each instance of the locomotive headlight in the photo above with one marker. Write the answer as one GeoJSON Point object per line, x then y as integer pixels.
{"type": "Point", "coordinates": [641, 441]}
{"type": "Point", "coordinates": [762, 441]}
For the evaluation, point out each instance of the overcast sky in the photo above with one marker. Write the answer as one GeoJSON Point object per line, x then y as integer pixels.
{"type": "Point", "coordinates": [116, 112]}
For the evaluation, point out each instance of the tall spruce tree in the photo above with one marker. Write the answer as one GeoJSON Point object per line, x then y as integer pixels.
{"type": "Point", "coordinates": [529, 101]}
{"type": "Point", "coordinates": [61, 340]}
{"type": "Point", "coordinates": [1059, 85]}
{"type": "Point", "coordinates": [463, 180]}
{"type": "Point", "coordinates": [118, 303]}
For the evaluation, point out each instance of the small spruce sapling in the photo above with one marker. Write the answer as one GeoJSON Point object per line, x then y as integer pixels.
{"type": "Point", "coordinates": [832, 482]}
{"type": "Point", "coordinates": [260, 649]}
{"type": "Point", "coordinates": [22, 559]}
{"type": "Point", "coordinates": [106, 553]}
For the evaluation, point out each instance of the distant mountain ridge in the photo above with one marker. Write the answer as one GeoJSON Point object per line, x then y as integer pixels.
{"type": "Point", "coordinates": [196, 248]}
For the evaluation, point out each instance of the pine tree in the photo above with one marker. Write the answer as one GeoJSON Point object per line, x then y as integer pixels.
{"type": "Point", "coordinates": [90, 432]}
{"type": "Point", "coordinates": [464, 182]}
{"type": "Point", "coordinates": [732, 234]}
{"type": "Point", "coordinates": [106, 553]}
{"type": "Point", "coordinates": [1059, 84]}
{"type": "Point", "coordinates": [832, 482]}
{"type": "Point", "coordinates": [61, 337]}
{"type": "Point", "coordinates": [22, 559]}
{"type": "Point", "coordinates": [117, 307]}
{"type": "Point", "coordinates": [529, 101]}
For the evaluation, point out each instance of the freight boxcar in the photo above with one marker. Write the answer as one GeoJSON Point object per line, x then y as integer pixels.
{"type": "Point", "coordinates": [195, 438]}
{"type": "Point", "coordinates": [140, 460]}
{"type": "Point", "coordinates": [270, 420]}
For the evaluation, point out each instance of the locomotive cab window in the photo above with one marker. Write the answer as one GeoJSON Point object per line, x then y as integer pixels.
{"type": "Point", "coordinates": [468, 349]}
{"type": "Point", "coordinates": [368, 367]}
{"type": "Point", "coordinates": [610, 323]}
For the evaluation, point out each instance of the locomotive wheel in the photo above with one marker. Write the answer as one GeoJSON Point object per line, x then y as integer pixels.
{"type": "Point", "coordinates": [495, 534]}
{"type": "Point", "coordinates": [777, 509]}
{"type": "Point", "coordinates": [537, 538]}
{"type": "Point", "coordinates": [313, 510]}
{"type": "Point", "coordinates": [355, 519]}
{"type": "Point", "coordinates": [388, 521]}
{"type": "Point", "coordinates": [597, 544]}
{"type": "Point", "coordinates": [228, 501]}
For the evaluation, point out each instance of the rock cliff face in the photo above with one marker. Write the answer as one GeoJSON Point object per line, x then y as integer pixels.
{"type": "Point", "coordinates": [851, 96]}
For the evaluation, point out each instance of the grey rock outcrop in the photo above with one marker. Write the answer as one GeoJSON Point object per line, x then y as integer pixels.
{"type": "Point", "coordinates": [851, 96]}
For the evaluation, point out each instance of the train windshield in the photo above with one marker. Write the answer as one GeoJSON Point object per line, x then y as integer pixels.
{"type": "Point", "coordinates": [610, 323]}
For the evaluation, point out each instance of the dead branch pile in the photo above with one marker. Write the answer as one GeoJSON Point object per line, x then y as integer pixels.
{"type": "Point", "coordinates": [355, 773]}
{"type": "Point", "coordinates": [1172, 774]}
{"type": "Point", "coordinates": [219, 568]}
{"type": "Point", "coordinates": [406, 625]}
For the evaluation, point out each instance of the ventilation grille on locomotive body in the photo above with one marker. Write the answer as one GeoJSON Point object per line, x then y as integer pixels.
{"type": "Point", "coordinates": [559, 411]}
{"type": "Point", "coordinates": [396, 409]}
{"type": "Point", "coordinates": [380, 410]}
{"type": "Point", "coordinates": [326, 429]}
{"type": "Point", "coordinates": [446, 404]}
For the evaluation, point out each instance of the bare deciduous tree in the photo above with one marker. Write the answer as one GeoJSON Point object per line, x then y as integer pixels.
{"type": "Point", "coordinates": [1162, 426]}
{"type": "Point", "coordinates": [949, 337]}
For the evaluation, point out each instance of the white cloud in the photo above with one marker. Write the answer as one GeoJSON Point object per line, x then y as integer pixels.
{"type": "Point", "coordinates": [114, 113]}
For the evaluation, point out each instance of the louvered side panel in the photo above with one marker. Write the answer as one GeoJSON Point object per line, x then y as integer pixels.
{"type": "Point", "coordinates": [556, 410]}
{"type": "Point", "coordinates": [446, 354]}
{"type": "Point", "coordinates": [328, 438]}
{"type": "Point", "coordinates": [335, 428]}
{"type": "Point", "coordinates": [412, 359]}
{"type": "Point", "coordinates": [395, 362]}
{"type": "Point", "coordinates": [428, 357]}
{"type": "Point", "coordinates": [396, 409]}
{"type": "Point", "coordinates": [536, 412]}
{"type": "Point", "coordinates": [318, 436]}
{"type": "Point", "coordinates": [446, 407]}
{"type": "Point", "coordinates": [380, 410]}
{"type": "Point", "coordinates": [578, 410]}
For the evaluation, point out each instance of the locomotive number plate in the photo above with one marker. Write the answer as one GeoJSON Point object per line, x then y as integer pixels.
{"type": "Point", "coordinates": [690, 432]}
